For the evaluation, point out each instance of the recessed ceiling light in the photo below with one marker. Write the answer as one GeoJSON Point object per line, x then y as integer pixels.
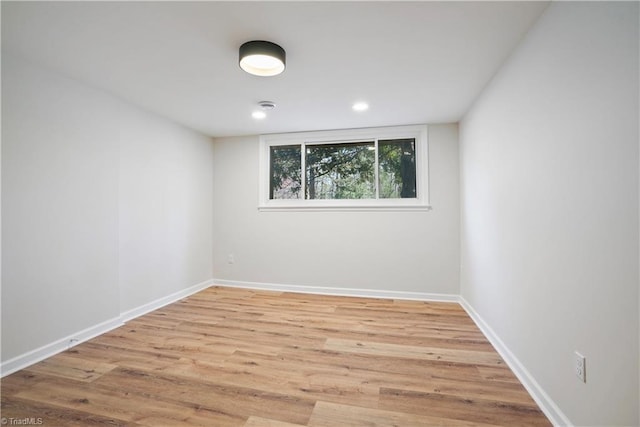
{"type": "Point", "coordinates": [262, 58]}
{"type": "Point", "coordinates": [360, 106]}
{"type": "Point", "coordinates": [259, 115]}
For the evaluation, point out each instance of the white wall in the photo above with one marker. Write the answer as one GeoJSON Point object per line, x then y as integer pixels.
{"type": "Point", "coordinates": [104, 207]}
{"type": "Point", "coordinates": [549, 190]}
{"type": "Point", "coordinates": [59, 194]}
{"type": "Point", "coordinates": [383, 251]}
{"type": "Point", "coordinates": [165, 209]}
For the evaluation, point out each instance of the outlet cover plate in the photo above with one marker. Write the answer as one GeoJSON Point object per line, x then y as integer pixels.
{"type": "Point", "coordinates": [581, 367]}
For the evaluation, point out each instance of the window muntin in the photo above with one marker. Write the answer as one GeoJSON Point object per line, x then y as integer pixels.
{"type": "Point", "coordinates": [377, 168]}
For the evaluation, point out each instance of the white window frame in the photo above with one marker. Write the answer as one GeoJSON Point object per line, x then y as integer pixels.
{"type": "Point", "coordinates": [418, 132]}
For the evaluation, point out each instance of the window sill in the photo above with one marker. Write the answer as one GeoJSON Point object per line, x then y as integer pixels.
{"type": "Point", "coordinates": [344, 208]}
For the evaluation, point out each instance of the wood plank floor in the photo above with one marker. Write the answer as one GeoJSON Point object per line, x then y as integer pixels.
{"type": "Point", "coordinates": [236, 357]}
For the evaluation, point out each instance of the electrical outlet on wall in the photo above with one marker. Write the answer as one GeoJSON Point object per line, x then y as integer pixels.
{"type": "Point", "coordinates": [231, 259]}
{"type": "Point", "coordinates": [581, 367]}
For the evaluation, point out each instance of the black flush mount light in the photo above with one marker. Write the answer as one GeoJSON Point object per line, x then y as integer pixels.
{"type": "Point", "coordinates": [262, 58]}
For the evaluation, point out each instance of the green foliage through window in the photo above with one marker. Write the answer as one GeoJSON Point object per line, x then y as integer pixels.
{"type": "Point", "coordinates": [397, 168]}
{"type": "Point", "coordinates": [340, 171]}
{"type": "Point", "coordinates": [344, 170]}
{"type": "Point", "coordinates": [285, 172]}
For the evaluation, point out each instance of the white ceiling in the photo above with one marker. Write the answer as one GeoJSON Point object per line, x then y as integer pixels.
{"type": "Point", "coordinates": [413, 62]}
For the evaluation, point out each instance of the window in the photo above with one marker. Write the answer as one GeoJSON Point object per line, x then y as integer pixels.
{"type": "Point", "coordinates": [285, 171]}
{"type": "Point", "coordinates": [340, 170]}
{"type": "Point", "coordinates": [379, 168]}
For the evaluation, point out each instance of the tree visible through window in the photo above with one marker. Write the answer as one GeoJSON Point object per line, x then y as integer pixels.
{"type": "Point", "coordinates": [397, 168]}
{"type": "Point", "coordinates": [285, 167]}
{"type": "Point", "coordinates": [383, 169]}
{"type": "Point", "coordinates": [340, 171]}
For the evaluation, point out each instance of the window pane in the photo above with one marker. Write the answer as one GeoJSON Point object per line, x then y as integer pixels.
{"type": "Point", "coordinates": [285, 172]}
{"type": "Point", "coordinates": [341, 171]}
{"type": "Point", "coordinates": [397, 168]}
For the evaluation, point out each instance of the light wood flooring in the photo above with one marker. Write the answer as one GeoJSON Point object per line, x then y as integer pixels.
{"type": "Point", "coordinates": [236, 357]}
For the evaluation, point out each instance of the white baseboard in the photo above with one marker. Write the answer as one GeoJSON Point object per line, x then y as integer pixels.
{"type": "Point", "coordinates": [161, 302]}
{"type": "Point", "coordinates": [51, 349]}
{"type": "Point", "coordinates": [34, 356]}
{"type": "Point", "coordinates": [546, 404]}
{"type": "Point", "coordinates": [350, 292]}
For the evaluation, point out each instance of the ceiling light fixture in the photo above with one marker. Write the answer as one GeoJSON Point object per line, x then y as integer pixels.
{"type": "Point", "coordinates": [360, 106]}
{"type": "Point", "coordinates": [259, 115]}
{"type": "Point", "coordinates": [262, 58]}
